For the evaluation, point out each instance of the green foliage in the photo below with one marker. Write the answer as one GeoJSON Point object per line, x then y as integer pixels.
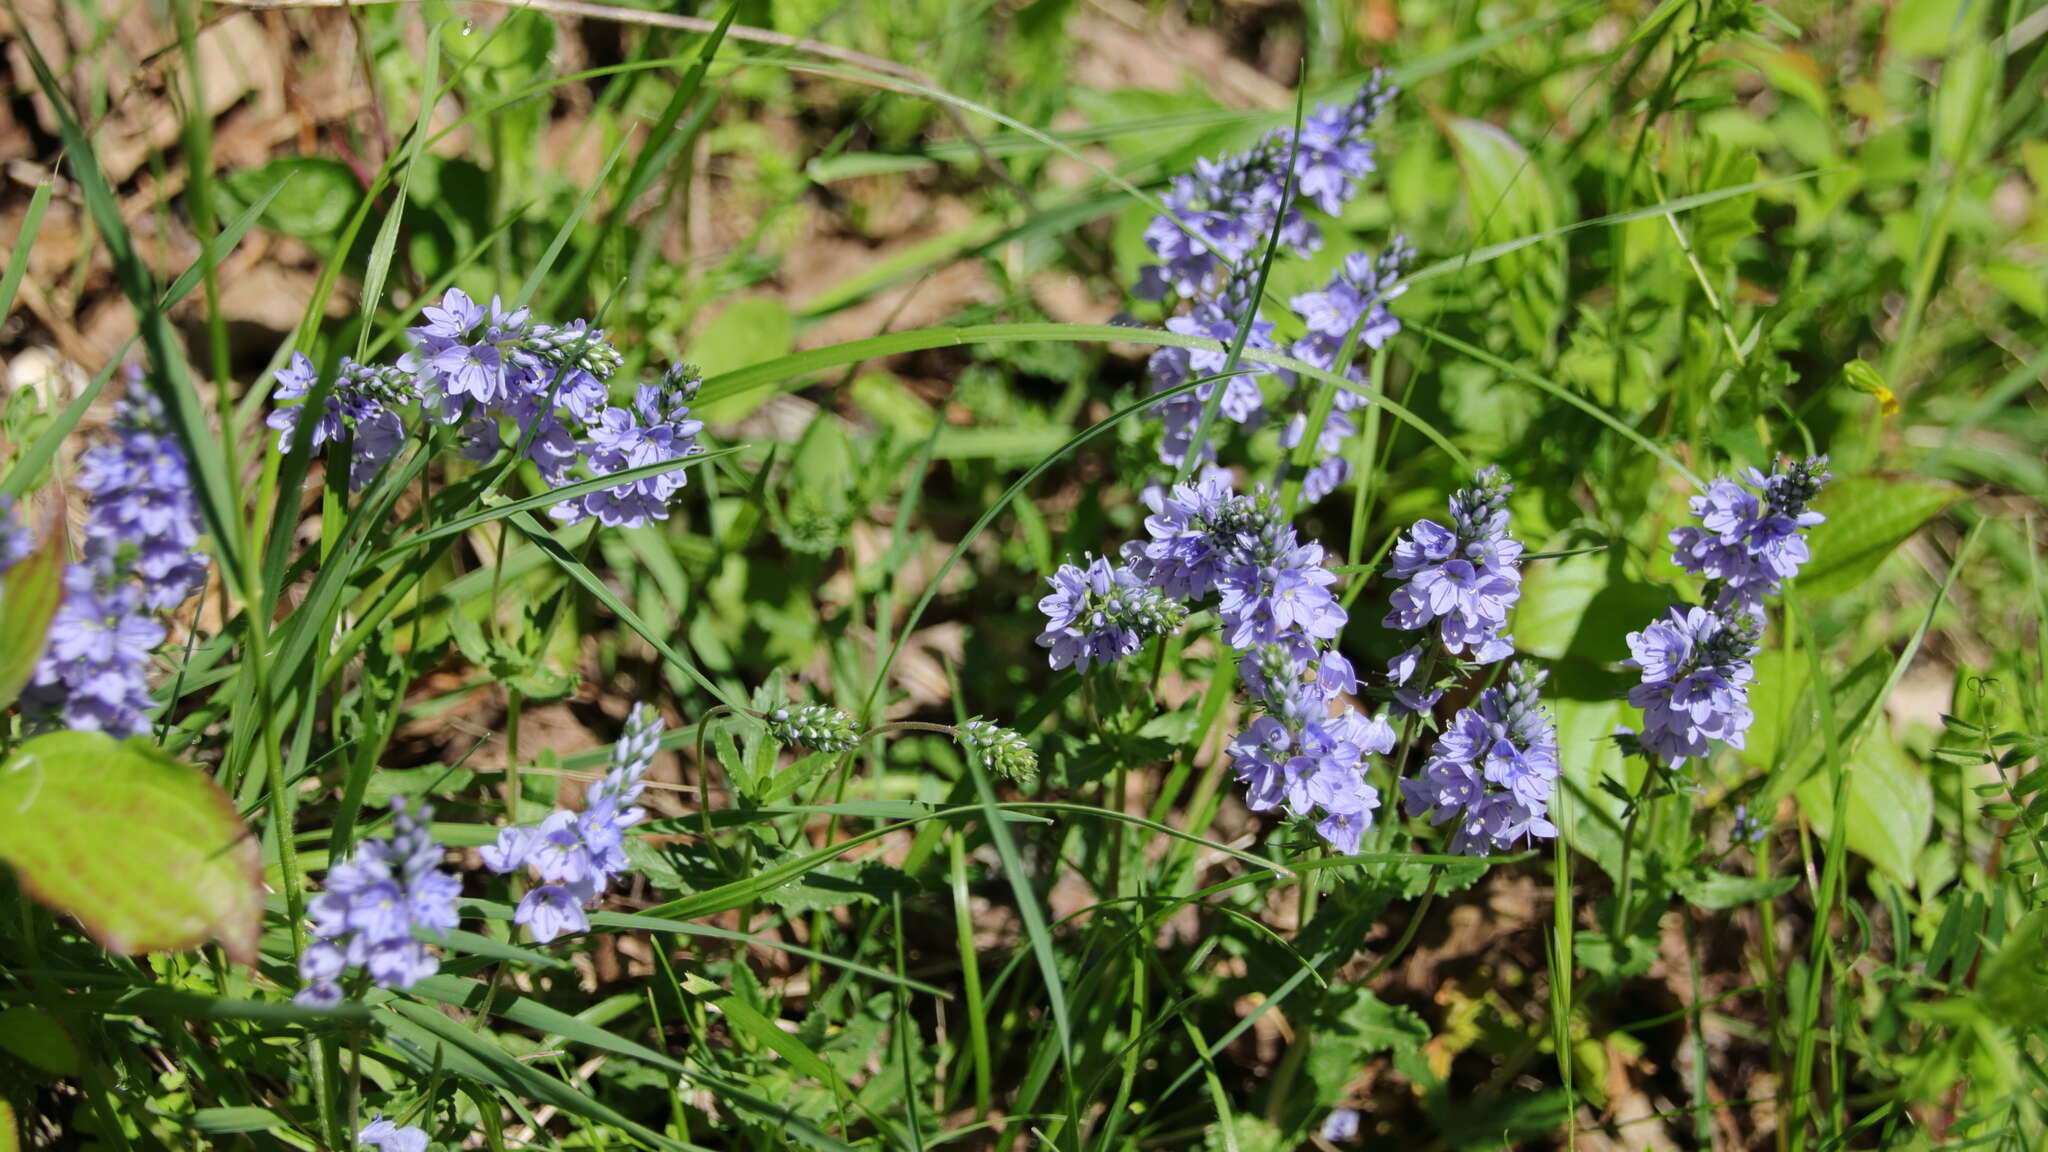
{"type": "Point", "coordinates": [145, 852]}
{"type": "Point", "coordinates": [1655, 246]}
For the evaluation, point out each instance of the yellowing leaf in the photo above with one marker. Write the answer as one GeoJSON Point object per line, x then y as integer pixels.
{"type": "Point", "coordinates": [29, 596]}
{"type": "Point", "coordinates": [145, 852]}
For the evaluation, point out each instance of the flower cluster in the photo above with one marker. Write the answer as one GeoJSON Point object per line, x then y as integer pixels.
{"type": "Point", "coordinates": [375, 904]}
{"type": "Point", "coordinates": [1219, 219]}
{"type": "Point", "coordinates": [1271, 592]}
{"type": "Point", "coordinates": [141, 561]}
{"type": "Point", "coordinates": [494, 370]}
{"type": "Point", "coordinates": [1300, 757]}
{"type": "Point", "coordinates": [1695, 662]}
{"type": "Point", "coordinates": [1695, 665]}
{"type": "Point", "coordinates": [1749, 539]}
{"type": "Point", "coordinates": [1464, 579]}
{"type": "Point", "coordinates": [814, 726]}
{"type": "Point", "coordinates": [1270, 587]}
{"type": "Point", "coordinates": [574, 855]}
{"type": "Point", "coordinates": [1493, 769]}
{"type": "Point", "coordinates": [1220, 215]}
{"type": "Point", "coordinates": [364, 402]}
{"type": "Point", "coordinates": [1102, 613]}
{"type": "Point", "coordinates": [385, 1136]}
{"type": "Point", "coordinates": [1350, 314]}
{"type": "Point", "coordinates": [1003, 750]}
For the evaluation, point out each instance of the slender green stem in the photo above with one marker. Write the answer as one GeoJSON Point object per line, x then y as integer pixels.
{"type": "Point", "coordinates": [1628, 846]}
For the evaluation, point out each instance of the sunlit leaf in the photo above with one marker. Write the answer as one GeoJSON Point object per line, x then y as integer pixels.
{"type": "Point", "coordinates": [147, 853]}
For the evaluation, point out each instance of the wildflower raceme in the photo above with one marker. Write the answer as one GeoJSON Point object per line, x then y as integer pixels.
{"type": "Point", "coordinates": [375, 904]}
{"type": "Point", "coordinates": [1101, 614]}
{"type": "Point", "coordinates": [1461, 581]}
{"type": "Point", "coordinates": [1695, 665]}
{"type": "Point", "coordinates": [575, 855]}
{"type": "Point", "coordinates": [1750, 538]}
{"type": "Point", "coordinates": [507, 380]}
{"type": "Point", "coordinates": [1695, 661]}
{"type": "Point", "coordinates": [1218, 223]}
{"type": "Point", "coordinates": [1493, 769]}
{"type": "Point", "coordinates": [140, 562]}
{"type": "Point", "coordinates": [1306, 754]}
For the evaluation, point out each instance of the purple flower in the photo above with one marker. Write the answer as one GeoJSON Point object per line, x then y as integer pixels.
{"type": "Point", "coordinates": [375, 901]}
{"type": "Point", "coordinates": [1300, 758]}
{"type": "Point", "coordinates": [657, 428]}
{"type": "Point", "coordinates": [1222, 213]}
{"type": "Point", "coordinates": [141, 561]}
{"type": "Point", "coordinates": [385, 1136]}
{"type": "Point", "coordinates": [1750, 540]}
{"type": "Point", "coordinates": [576, 855]}
{"type": "Point", "coordinates": [550, 911]}
{"type": "Point", "coordinates": [363, 401]}
{"type": "Point", "coordinates": [1493, 769]}
{"type": "Point", "coordinates": [1219, 219]}
{"type": "Point", "coordinates": [1463, 579]}
{"type": "Point", "coordinates": [1102, 613]}
{"type": "Point", "coordinates": [1341, 1125]}
{"type": "Point", "coordinates": [1354, 302]}
{"type": "Point", "coordinates": [1695, 665]}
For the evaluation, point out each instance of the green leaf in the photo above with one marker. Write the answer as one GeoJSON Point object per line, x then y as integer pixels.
{"type": "Point", "coordinates": [40, 1039]}
{"type": "Point", "coordinates": [1867, 517]}
{"type": "Point", "coordinates": [29, 595]}
{"type": "Point", "coordinates": [147, 853]}
{"type": "Point", "coordinates": [1354, 1025]}
{"type": "Point", "coordinates": [752, 329]}
{"type": "Point", "coordinates": [1588, 815]}
{"type": "Point", "coordinates": [1890, 805]}
{"type": "Point", "coordinates": [314, 196]}
{"type": "Point", "coordinates": [1710, 889]}
{"type": "Point", "coordinates": [1580, 607]}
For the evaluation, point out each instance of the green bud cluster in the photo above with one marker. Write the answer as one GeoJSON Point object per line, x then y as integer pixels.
{"type": "Point", "coordinates": [1001, 749]}
{"type": "Point", "coordinates": [814, 726]}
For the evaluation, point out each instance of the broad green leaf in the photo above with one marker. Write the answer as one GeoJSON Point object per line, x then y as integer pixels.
{"type": "Point", "coordinates": [1890, 805]}
{"type": "Point", "coordinates": [751, 330]}
{"type": "Point", "coordinates": [40, 1039]}
{"type": "Point", "coordinates": [1708, 888]}
{"type": "Point", "coordinates": [1867, 517]}
{"type": "Point", "coordinates": [1580, 607]}
{"type": "Point", "coordinates": [314, 196]}
{"type": "Point", "coordinates": [147, 853]}
{"type": "Point", "coordinates": [29, 596]}
{"type": "Point", "coordinates": [1588, 814]}
{"type": "Point", "coordinates": [763, 1031]}
{"type": "Point", "coordinates": [1356, 1025]}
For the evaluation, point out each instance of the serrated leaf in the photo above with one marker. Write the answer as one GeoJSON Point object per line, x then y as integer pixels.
{"type": "Point", "coordinates": [838, 884]}
{"type": "Point", "coordinates": [29, 597]}
{"type": "Point", "coordinates": [1708, 888]}
{"type": "Point", "coordinates": [147, 853]}
{"type": "Point", "coordinates": [1867, 517]}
